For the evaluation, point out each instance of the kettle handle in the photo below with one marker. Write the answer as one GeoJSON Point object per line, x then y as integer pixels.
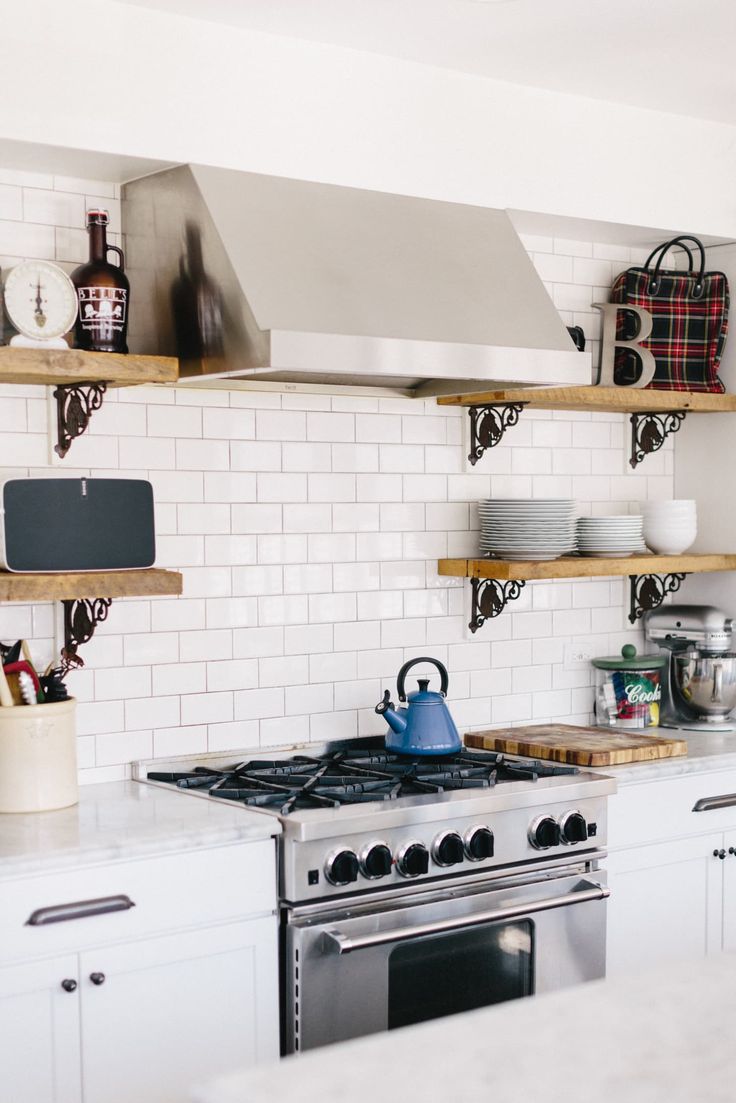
{"type": "Point", "coordinates": [445, 681]}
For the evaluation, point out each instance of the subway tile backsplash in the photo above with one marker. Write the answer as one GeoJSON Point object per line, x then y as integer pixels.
{"type": "Point", "coordinates": [307, 528]}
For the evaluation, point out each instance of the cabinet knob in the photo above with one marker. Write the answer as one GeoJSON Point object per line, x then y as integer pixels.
{"type": "Point", "coordinates": [731, 850]}
{"type": "Point", "coordinates": [97, 978]}
{"type": "Point", "coordinates": [719, 854]}
{"type": "Point", "coordinates": [69, 985]}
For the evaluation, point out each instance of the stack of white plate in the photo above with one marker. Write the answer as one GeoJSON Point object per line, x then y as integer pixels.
{"type": "Point", "coordinates": [521, 528]}
{"type": "Point", "coordinates": [611, 537]}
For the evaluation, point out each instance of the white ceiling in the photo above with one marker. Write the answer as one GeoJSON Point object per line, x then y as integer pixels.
{"type": "Point", "coordinates": [670, 55]}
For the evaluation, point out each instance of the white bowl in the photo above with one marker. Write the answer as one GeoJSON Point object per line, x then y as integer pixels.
{"type": "Point", "coordinates": [671, 515]}
{"type": "Point", "coordinates": [661, 525]}
{"type": "Point", "coordinates": [669, 541]}
{"type": "Point", "coordinates": [669, 509]}
{"type": "Point", "coordinates": [669, 549]}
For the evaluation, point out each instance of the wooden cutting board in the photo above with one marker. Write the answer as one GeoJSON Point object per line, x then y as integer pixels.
{"type": "Point", "coordinates": [577, 746]}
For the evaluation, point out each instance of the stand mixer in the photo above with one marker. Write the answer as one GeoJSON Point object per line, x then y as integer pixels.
{"type": "Point", "coordinates": [699, 690]}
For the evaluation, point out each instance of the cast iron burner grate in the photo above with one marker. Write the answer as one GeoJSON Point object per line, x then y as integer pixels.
{"type": "Point", "coordinates": [355, 777]}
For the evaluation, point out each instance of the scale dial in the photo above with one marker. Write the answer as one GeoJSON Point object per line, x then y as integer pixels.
{"type": "Point", "coordinates": [40, 299]}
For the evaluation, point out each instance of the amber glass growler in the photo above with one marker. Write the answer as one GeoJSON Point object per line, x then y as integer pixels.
{"type": "Point", "coordinates": [103, 292]}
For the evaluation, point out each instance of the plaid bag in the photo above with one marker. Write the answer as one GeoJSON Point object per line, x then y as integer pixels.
{"type": "Point", "coordinates": [690, 322]}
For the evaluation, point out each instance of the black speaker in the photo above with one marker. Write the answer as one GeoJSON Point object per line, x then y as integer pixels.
{"type": "Point", "coordinates": [77, 524]}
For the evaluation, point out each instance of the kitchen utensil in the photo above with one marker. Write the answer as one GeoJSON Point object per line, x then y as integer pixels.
{"type": "Point", "coordinates": [41, 303]}
{"type": "Point", "coordinates": [13, 672]}
{"type": "Point", "coordinates": [612, 537]}
{"type": "Point", "coordinates": [670, 527]}
{"type": "Point", "coordinates": [6, 697]}
{"type": "Point", "coordinates": [426, 726]}
{"type": "Point", "coordinates": [27, 689]}
{"type": "Point", "coordinates": [700, 677]}
{"type": "Point", "coordinates": [523, 528]}
{"type": "Point", "coordinates": [706, 683]}
{"type": "Point", "coordinates": [578, 746]}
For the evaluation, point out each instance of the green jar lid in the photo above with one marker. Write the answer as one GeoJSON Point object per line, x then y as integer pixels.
{"type": "Point", "coordinates": [630, 660]}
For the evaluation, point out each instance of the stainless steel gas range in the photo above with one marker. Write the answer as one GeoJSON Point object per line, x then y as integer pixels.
{"type": "Point", "coordinates": [417, 887]}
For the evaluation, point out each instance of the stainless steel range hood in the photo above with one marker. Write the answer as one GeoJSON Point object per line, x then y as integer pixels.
{"type": "Point", "coordinates": [247, 276]}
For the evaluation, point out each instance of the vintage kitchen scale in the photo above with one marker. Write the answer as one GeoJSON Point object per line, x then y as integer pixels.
{"type": "Point", "coordinates": [41, 303]}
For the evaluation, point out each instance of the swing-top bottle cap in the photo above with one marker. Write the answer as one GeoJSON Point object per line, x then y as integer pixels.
{"type": "Point", "coordinates": [97, 217]}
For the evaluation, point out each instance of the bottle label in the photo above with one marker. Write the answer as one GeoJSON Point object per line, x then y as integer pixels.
{"type": "Point", "coordinates": [102, 309]}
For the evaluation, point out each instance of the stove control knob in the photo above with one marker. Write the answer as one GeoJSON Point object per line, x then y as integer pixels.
{"type": "Point", "coordinates": [413, 860]}
{"type": "Point", "coordinates": [479, 843]}
{"type": "Point", "coordinates": [342, 868]}
{"type": "Point", "coordinates": [544, 833]}
{"type": "Point", "coordinates": [573, 828]}
{"type": "Point", "coordinates": [375, 861]}
{"type": "Point", "coordinates": [448, 849]}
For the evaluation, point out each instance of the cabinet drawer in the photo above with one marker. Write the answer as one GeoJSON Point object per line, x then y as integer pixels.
{"type": "Point", "coordinates": [656, 811]}
{"type": "Point", "coordinates": [167, 892]}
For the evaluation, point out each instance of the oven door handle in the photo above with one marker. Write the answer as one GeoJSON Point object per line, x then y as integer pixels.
{"type": "Point", "coordinates": [335, 941]}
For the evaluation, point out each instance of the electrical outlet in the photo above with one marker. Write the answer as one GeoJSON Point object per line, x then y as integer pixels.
{"type": "Point", "coordinates": [577, 655]}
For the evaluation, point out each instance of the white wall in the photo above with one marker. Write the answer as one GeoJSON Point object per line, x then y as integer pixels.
{"type": "Point", "coordinates": [706, 467]}
{"type": "Point", "coordinates": [98, 75]}
{"type": "Point", "coordinates": [308, 530]}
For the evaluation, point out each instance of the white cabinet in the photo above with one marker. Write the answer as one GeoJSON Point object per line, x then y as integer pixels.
{"type": "Point", "coordinates": [140, 1002]}
{"type": "Point", "coordinates": [673, 898]}
{"type": "Point", "coordinates": [158, 1015]}
{"type": "Point", "coordinates": [39, 1032]}
{"type": "Point", "coordinates": [665, 903]}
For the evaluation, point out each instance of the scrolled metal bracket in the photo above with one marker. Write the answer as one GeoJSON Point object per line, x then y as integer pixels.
{"type": "Point", "coordinates": [81, 617]}
{"type": "Point", "coordinates": [490, 596]}
{"type": "Point", "coordinates": [649, 432]}
{"type": "Point", "coordinates": [75, 404]}
{"type": "Point", "coordinates": [488, 425]}
{"type": "Point", "coordinates": [649, 590]}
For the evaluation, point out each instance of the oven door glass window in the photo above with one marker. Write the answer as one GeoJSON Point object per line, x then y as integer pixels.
{"type": "Point", "coordinates": [443, 974]}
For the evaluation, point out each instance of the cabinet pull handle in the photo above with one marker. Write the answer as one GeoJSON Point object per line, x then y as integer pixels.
{"type": "Point", "coordinates": [335, 941]}
{"type": "Point", "coordinates": [709, 804]}
{"type": "Point", "coordinates": [62, 913]}
{"type": "Point", "coordinates": [69, 985]}
{"type": "Point", "coordinates": [97, 978]}
{"type": "Point", "coordinates": [719, 854]}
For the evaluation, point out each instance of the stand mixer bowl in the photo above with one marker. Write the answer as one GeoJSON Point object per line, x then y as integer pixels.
{"type": "Point", "coordinates": [704, 683]}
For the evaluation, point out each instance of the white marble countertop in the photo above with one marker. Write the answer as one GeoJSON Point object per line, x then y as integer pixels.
{"type": "Point", "coordinates": [660, 1037]}
{"type": "Point", "coordinates": [119, 820]}
{"type": "Point", "coordinates": [706, 751]}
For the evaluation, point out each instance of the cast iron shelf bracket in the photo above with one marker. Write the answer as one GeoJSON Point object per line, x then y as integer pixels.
{"type": "Point", "coordinates": [649, 590]}
{"type": "Point", "coordinates": [81, 617]}
{"type": "Point", "coordinates": [649, 432]}
{"type": "Point", "coordinates": [490, 596]}
{"type": "Point", "coordinates": [75, 404]}
{"type": "Point", "coordinates": [488, 425]}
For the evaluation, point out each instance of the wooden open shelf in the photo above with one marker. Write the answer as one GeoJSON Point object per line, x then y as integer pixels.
{"type": "Point", "coordinates": [624, 400]}
{"type": "Point", "coordinates": [91, 584]}
{"type": "Point", "coordinates": [574, 566]}
{"type": "Point", "coordinates": [58, 366]}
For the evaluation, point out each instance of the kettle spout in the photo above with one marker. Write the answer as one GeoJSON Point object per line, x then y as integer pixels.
{"type": "Point", "coordinates": [395, 718]}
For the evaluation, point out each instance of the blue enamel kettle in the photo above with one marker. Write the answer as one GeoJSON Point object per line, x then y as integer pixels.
{"type": "Point", "coordinates": [425, 727]}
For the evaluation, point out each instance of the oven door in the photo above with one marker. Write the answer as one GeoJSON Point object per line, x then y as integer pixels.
{"type": "Point", "coordinates": [374, 966]}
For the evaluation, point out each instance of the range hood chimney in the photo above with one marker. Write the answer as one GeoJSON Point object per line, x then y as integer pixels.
{"type": "Point", "coordinates": [245, 276]}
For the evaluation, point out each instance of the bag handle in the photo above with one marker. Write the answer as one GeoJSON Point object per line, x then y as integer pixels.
{"type": "Point", "coordinates": [444, 680]}
{"type": "Point", "coordinates": [654, 283]}
{"type": "Point", "coordinates": [663, 249]}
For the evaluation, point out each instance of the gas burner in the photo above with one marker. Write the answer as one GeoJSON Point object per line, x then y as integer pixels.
{"type": "Point", "coordinates": [352, 776]}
